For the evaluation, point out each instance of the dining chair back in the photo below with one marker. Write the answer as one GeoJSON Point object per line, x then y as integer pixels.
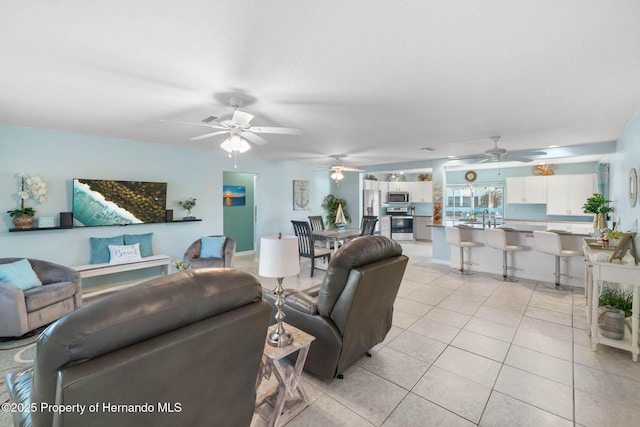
{"type": "Point", "coordinates": [368, 225]}
{"type": "Point", "coordinates": [306, 246]}
{"type": "Point", "coordinates": [317, 224]}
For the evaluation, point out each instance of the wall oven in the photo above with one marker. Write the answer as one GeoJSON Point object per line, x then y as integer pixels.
{"type": "Point", "coordinates": [401, 223]}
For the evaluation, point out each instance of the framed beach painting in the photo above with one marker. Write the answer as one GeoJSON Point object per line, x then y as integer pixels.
{"type": "Point", "coordinates": [234, 195]}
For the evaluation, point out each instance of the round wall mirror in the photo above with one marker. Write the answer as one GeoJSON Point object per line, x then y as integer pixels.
{"type": "Point", "coordinates": [633, 187]}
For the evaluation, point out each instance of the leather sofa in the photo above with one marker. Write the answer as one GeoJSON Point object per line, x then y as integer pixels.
{"type": "Point", "coordinates": [23, 311]}
{"type": "Point", "coordinates": [189, 344]}
{"type": "Point", "coordinates": [192, 255]}
{"type": "Point", "coordinates": [352, 309]}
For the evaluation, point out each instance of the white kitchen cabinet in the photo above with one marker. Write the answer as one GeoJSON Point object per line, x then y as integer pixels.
{"type": "Point", "coordinates": [399, 186]}
{"type": "Point", "coordinates": [383, 187]}
{"type": "Point", "coordinates": [421, 191]}
{"type": "Point", "coordinates": [566, 194]}
{"type": "Point", "coordinates": [527, 189]}
{"type": "Point", "coordinates": [385, 226]}
{"type": "Point", "coordinates": [369, 184]}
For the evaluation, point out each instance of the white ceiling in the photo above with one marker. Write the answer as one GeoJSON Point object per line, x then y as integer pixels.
{"type": "Point", "coordinates": [375, 80]}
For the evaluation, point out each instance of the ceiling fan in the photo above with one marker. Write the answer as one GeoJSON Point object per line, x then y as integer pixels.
{"type": "Point", "coordinates": [338, 168]}
{"type": "Point", "coordinates": [238, 124]}
{"type": "Point", "coordinates": [499, 154]}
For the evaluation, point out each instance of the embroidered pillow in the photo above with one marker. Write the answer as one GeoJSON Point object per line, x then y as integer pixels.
{"type": "Point", "coordinates": [19, 274]}
{"type": "Point", "coordinates": [212, 246]}
{"type": "Point", "coordinates": [146, 248]}
{"type": "Point", "coordinates": [124, 253]}
{"type": "Point", "coordinates": [100, 248]}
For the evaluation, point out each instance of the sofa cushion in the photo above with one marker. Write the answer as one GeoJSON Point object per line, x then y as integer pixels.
{"type": "Point", "coordinates": [43, 296]}
{"type": "Point", "coordinates": [19, 274]}
{"type": "Point", "coordinates": [145, 240]}
{"type": "Point", "coordinates": [212, 247]}
{"type": "Point", "coordinates": [99, 247]}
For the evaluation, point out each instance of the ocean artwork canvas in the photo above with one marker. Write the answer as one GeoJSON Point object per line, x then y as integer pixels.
{"type": "Point", "coordinates": [233, 195]}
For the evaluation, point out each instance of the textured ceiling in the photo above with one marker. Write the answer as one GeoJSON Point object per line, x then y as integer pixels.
{"type": "Point", "coordinates": [376, 81]}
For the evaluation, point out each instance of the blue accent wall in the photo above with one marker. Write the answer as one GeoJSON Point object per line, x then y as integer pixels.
{"type": "Point", "coordinates": [238, 220]}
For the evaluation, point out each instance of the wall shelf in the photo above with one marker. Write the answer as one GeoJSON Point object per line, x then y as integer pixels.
{"type": "Point", "coordinates": [14, 230]}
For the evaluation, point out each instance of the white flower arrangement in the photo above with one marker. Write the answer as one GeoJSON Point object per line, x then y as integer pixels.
{"type": "Point", "coordinates": [31, 187]}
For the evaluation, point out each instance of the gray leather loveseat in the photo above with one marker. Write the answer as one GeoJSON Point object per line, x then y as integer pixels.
{"type": "Point", "coordinates": [188, 344]}
{"type": "Point", "coordinates": [352, 309]}
{"type": "Point", "coordinates": [23, 311]}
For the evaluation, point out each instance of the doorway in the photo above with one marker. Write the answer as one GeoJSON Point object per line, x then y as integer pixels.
{"type": "Point", "coordinates": [238, 212]}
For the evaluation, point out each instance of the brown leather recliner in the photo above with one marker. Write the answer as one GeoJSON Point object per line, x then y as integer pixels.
{"type": "Point", "coordinates": [352, 309]}
{"type": "Point", "coordinates": [192, 255]}
{"type": "Point", "coordinates": [188, 344]}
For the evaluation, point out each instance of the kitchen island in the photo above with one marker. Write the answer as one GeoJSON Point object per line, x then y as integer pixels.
{"type": "Point", "coordinates": [529, 264]}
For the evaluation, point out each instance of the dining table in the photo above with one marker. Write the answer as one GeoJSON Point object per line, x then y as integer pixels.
{"type": "Point", "coordinates": [338, 236]}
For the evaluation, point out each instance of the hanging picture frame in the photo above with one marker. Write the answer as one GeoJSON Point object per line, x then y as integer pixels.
{"type": "Point", "coordinates": [234, 195]}
{"type": "Point", "coordinates": [300, 195]}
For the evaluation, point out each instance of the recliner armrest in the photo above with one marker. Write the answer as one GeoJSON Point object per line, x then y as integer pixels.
{"type": "Point", "coordinates": [302, 302]}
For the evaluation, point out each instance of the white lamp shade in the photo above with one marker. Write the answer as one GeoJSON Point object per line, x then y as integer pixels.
{"type": "Point", "coordinates": [279, 257]}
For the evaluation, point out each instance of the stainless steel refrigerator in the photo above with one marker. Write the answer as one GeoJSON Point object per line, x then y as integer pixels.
{"type": "Point", "coordinates": [371, 204]}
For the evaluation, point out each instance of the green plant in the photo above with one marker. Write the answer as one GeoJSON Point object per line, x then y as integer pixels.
{"type": "Point", "coordinates": [596, 205]}
{"type": "Point", "coordinates": [618, 298]}
{"type": "Point", "coordinates": [30, 187]}
{"type": "Point", "coordinates": [187, 204]}
{"type": "Point", "coordinates": [330, 203]}
{"type": "Point", "coordinates": [181, 265]}
{"type": "Point", "coordinates": [615, 234]}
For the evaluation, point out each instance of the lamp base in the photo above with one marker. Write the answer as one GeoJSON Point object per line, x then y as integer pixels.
{"type": "Point", "coordinates": [279, 339]}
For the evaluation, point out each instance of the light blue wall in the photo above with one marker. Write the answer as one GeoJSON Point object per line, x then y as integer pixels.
{"type": "Point", "coordinates": [238, 220]}
{"type": "Point", "coordinates": [626, 157]}
{"type": "Point", "coordinates": [58, 157]}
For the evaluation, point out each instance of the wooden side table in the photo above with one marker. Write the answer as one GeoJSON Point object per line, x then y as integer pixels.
{"type": "Point", "coordinates": [289, 388]}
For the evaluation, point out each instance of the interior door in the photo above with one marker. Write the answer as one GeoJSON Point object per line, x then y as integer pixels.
{"type": "Point", "coordinates": [238, 215]}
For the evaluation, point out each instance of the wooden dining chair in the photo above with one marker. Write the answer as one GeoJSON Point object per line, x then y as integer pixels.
{"type": "Point", "coordinates": [306, 246]}
{"type": "Point", "coordinates": [317, 224]}
{"type": "Point", "coordinates": [368, 225]}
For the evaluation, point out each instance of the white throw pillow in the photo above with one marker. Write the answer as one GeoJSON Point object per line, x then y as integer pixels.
{"type": "Point", "coordinates": [124, 253]}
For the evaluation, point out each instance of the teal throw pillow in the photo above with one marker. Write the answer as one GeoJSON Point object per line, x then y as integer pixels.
{"type": "Point", "coordinates": [99, 247]}
{"type": "Point", "coordinates": [146, 248]}
{"type": "Point", "coordinates": [212, 247]}
{"type": "Point", "coordinates": [19, 274]}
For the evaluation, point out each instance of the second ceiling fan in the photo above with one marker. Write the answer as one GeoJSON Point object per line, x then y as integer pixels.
{"type": "Point", "coordinates": [499, 154]}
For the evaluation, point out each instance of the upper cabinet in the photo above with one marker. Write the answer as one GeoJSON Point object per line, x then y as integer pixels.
{"type": "Point", "coordinates": [399, 186]}
{"type": "Point", "coordinates": [383, 186]}
{"type": "Point", "coordinates": [527, 189]}
{"type": "Point", "coordinates": [421, 191]}
{"type": "Point", "coordinates": [566, 194]}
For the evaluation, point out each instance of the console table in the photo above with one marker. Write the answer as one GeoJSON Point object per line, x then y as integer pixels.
{"type": "Point", "coordinates": [289, 386]}
{"type": "Point", "coordinates": [600, 272]}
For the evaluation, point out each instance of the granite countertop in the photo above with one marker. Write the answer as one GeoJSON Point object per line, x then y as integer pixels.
{"type": "Point", "coordinates": [521, 228]}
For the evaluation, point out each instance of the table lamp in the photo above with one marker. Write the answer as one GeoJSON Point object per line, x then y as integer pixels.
{"type": "Point", "coordinates": [279, 258]}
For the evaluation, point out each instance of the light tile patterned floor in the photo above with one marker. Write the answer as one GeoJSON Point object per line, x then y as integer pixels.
{"type": "Point", "coordinates": [472, 350]}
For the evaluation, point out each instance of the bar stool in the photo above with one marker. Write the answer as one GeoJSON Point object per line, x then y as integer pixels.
{"type": "Point", "coordinates": [497, 238]}
{"type": "Point", "coordinates": [453, 238]}
{"type": "Point", "coordinates": [550, 243]}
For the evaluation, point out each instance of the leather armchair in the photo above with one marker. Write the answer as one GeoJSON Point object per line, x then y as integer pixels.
{"type": "Point", "coordinates": [23, 311]}
{"type": "Point", "coordinates": [352, 309]}
{"type": "Point", "coordinates": [192, 341]}
{"type": "Point", "coordinates": [192, 255]}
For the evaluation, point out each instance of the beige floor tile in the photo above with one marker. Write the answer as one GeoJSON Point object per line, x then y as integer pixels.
{"type": "Point", "coordinates": [327, 412]}
{"type": "Point", "coordinates": [437, 331]}
{"type": "Point", "coordinates": [448, 317]}
{"type": "Point", "coordinates": [415, 411]}
{"type": "Point", "coordinates": [411, 306]}
{"type": "Point", "coordinates": [608, 359]}
{"type": "Point", "coordinates": [403, 320]}
{"type": "Point", "coordinates": [429, 294]}
{"type": "Point", "coordinates": [468, 365]}
{"type": "Point", "coordinates": [490, 329]}
{"type": "Point", "coordinates": [582, 338]}
{"type": "Point", "coordinates": [549, 315]}
{"type": "Point", "coordinates": [537, 391]}
{"type": "Point", "coordinates": [482, 345]}
{"type": "Point", "coordinates": [612, 387]}
{"type": "Point", "coordinates": [418, 346]}
{"type": "Point", "coordinates": [596, 410]}
{"type": "Point", "coordinates": [368, 395]}
{"type": "Point", "coordinates": [503, 411]}
{"type": "Point", "coordinates": [541, 364]}
{"type": "Point", "coordinates": [544, 344]}
{"type": "Point", "coordinates": [561, 302]}
{"type": "Point", "coordinates": [546, 328]}
{"type": "Point", "coordinates": [396, 366]}
{"type": "Point", "coordinates": [504, 317]}
{"type": "Point", "coordinates": [459, 395]}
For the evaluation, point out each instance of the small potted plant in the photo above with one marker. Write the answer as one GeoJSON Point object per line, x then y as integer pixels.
{"type": "Point", "coordinates": [597, 206]}
{"type": "Point", "coordinates": [616, 306]}
{"type": "Point", "coordinates": [187, 205]}
{"type": "Point", "coordinates": [181, 265]}
{"type": "Point", "coordinates": [31, 187]}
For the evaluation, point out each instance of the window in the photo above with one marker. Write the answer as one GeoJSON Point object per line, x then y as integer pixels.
{"type": "Point", "coordinates": [469, 201]}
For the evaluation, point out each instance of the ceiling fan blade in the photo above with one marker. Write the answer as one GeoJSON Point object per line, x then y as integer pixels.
{"type": "Point", "coordinates": [350, 169]}
{"type": "Point", "coordinates": [258, 140]}
{"type": "Point", "coordinates": [270, 129]}
{"type": "Point", "coordinates": [515, 159]}
{"type": "Point", "coordinates": [192, 124]}
{"type": "Point", "coordinates": [209, 135]}
{"type": "Point", "coordinates": [242, 118]}
{"type": "Point", "coordinates": [470, 157]}
{"type": "Point", "coordinates": [530, 153]}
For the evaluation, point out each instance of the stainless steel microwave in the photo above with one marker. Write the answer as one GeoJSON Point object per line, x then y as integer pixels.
{"type": "Point", "coordinates": [398, 197]}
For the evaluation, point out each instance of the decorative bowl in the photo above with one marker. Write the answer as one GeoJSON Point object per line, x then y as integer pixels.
{"type": "Point", "coordinates": [341, 226]}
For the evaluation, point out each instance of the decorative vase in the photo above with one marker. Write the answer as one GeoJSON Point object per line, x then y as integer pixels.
{"type": "Point", "coordinates": [601, 222]}
{"type": "Point", "coordinates": [611, 322]}
{"type": "Point", "coordinates": [23, 221]}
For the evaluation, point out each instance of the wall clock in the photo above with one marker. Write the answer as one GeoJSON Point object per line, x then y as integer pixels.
{"type": "Point", "coordinates": [470, 176]}
{"type": "Point", "coordinates": [633, 187]}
